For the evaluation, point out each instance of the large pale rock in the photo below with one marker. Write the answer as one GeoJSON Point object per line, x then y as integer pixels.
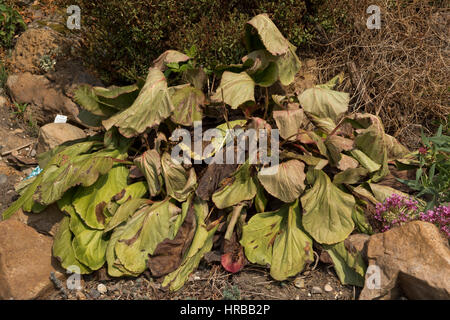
{"type": "Point", "coordinates": [54, 134]}
{"type": "Point", "coordinates": [46, 99]}
{"type": "Point", "coordinates": [46, 222]}
{"type": "Point", "coordinates": [25, 262]}
{"type": "Point", "coordinates": [414, 261]}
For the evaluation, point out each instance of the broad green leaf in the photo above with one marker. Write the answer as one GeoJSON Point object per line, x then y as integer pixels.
{"type": "Point", "coordinates": [201, 244]}
{"type": "Point", "coordinates": [187, 102]}
{"type": "Point", "coordinates": [382, 192]}
{"type": "Point", "coordinates": [277, 239]}
{"type": "Point", "coordinates": [361, 221]}
{"type": "Point", "coordinates": [269, 34]}
{"type": "Point", "coordinates": [179, 182]}
{"type": "Point", "coordinates": [288, 66]}
{"type": "Point", "coordinates": [89, 245]}
{"type": "Point", "coordinates": [349, 267]}
{"type": "Point", "coordinates": [350, 176]}
{"type": "Point", "coordinates": [169, 56]}
{"type": "Point", "coordinates": [325, 125]}
{"type": "Point", "coordinates": [324, 103]}
{"type": "Point", "coordinates": [260, 199]}
{"type": "Point", "coordinates": [151, 107]}
{"type": "Point", "coordinates": [90, 202]}
{"type": "Point", "coordinates": [85, 96]}
{"type": "Point", "coordinates": [365, 161]}
{"type": "Point", "coordinates": [150, 165]}
{"type": "Point", "coordinates": [118, 98]}
{"type": "Point", "coordinates": [258, 236]}
{"type": "Point", "coordinates": [125, 211]}
{"type": "Point", "coordinates": [143, 232]}
{"type": "Point", "coordinates": [293, 248]}
{"type": "Point", "coordinates": [267, 77]}
{"type": "Point", "coordinates": [289, 122]}
{"type": "Point", "coordinates": [62, 248]}
{"type": "Point", "coordinates": [287, 184]}
{"type": "Point", "coordinates": [114, 267]}
{"type": "Point", "coordinates": [235, 88]}
{"type": "Point", "coordinates": [133, 191]}
{"type": "Point", "coordinates": [327, 211]}
{"type": "Point", "coordinates": [242, 188]}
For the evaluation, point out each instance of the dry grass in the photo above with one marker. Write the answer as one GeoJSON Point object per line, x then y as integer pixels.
{"type": "Point", "coordinates": [402, 69]}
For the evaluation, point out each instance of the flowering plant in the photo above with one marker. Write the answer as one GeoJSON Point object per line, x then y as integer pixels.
{"type": "Point", "coordinates": [397, 210]}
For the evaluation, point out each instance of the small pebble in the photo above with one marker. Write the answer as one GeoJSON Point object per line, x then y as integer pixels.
{"type": "Point", "coordinates": [33, 153]}
{"type": "Point", "coordinates": [299, 283]}
{"type": "Point", "coordinates": [316, 290]}
{"type": "Point", "coordinates": [94, 294]}
{"type": "Point", "coordinates": [297, 297]}
{"type": "Point", "coordinates": [328, 288]}
{"type": "Point", "coordinates": [102, 288]}
{"type": "Point", "coordinates": [80, 295]}
{"type": "Point", "coordinates": [309, 294]}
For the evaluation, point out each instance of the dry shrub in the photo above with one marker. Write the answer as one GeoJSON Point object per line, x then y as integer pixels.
{"type": "Point", "coordinates": [402, 70]}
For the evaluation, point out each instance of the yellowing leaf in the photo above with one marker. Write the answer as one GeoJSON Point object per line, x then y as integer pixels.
{"type": "Point", "coordinates": [235, 88]}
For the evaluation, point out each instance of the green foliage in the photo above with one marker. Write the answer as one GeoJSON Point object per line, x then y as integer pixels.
{"type": "Point", "coordinates": [3, 75]}
{"type": "Point", "coordinates": [433, 174]}
{"type": "Point", "coordinates": [124, 36]}
{"type": "Point", "coordinates": [325, 173]}
{"type": "Point", "coordinates": [11, 23]}
{"type": "Point", "coordinates": [232, 293]}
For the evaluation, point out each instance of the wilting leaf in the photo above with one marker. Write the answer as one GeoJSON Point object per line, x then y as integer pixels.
{"type": "Point", "coordinates": [114, 267]}
{"type": "Point", "coordinates": [395, 149]}
{"type": "Point", "coordinates": [365, 161]}
{"type": "Point", "coordinates": [289, 122]}
{"type": "Point", "coordinates": [382, 192]}
{"type": "Point", "coordinates": [241, 188]}
{"type": "Point", "coordinates": [260, 199]}
{"type": "Point", "coordinates": [277, 238]}
{"type": "Point", "coordinates": [287, 184]}
{"type": "Point", "coordinates": [324, 103]}
{"type": "Point", "coordinates": [201, 244]}
{"type": "Point", "coordinates": [211, 179]}
{"type": "Point", "coordinates": [179, 182]}
{"type": "Point", "coordinates": [350, 176]}
{"type": "Point", "coordinates": [168, 254]}
{"type": "Point", "coordinates": [152, 106]}
{"type": "Point", "coordinates": [62, 248]}
{"type": "Point", "coordinates": [349, 267]}
{"type": "Point", "coordinates": [337, 144]}
{"type": "Point", "coordinates": [132, 191]}
{"type": "Point", "coordinates": [333, 83]}
{"type": "Point", "coordinates": [85, 96]}
{"type": "Point", "coordinates": [125, 211]}
{"type": "Point", "coordinates": [269, 34]}
{"type": "Point", "coordinates": [237, 88]}
{"type": "Point", "coordinates": [347, 163]}
{"type": "Point", "coordinates": [90, 202]}
{"type": "Point", "coordinates": [325, 125]}
{"type": "Point", "coordinates": [150, 165]}
{"type": "Point", "coordinates": [169, 56]}
{"type": "Point", "coordinates": [288, 66]}
{"type": "Point", "coordinates": [197, 77]}
{"type": "Point", "coordinates": [327, 211]}
{"type": "Point", "coordinates": [361, 221]}
{"type": "Point", "coordinates": [187, 102]}
{"type": "Point", "coordinates": [266, 77]}
{"type": "Point", "coordinates": [143, 232]}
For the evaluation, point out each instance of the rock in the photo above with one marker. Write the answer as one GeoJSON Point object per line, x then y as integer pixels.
{"type": "Point", "coordinates": [102, 288]}
{"type": "Point", "coordinates": [25, 262]}
{"type": "Point", "coordinates": [413, 260]}
{"type": "Point", "coordinates": [299, 283]}
{"type": "Point", "coordinates": [31, 46]}
{"type": "Point", "coordinates": [328, 288]}
{"type": "Point", "coordinates": [94, 294]}
{"type": "Point", "coordinates": [3, 101]}
{"type": "Point", "coordinates": [3, 179]}
{"type": "Point", "coordinates": [53, 134]}
{"type": "Point", "coordinates": [46, 222]}
{"type": "Point", "coordinates": [45, 99]}
{"type": "Point", "coordinates": [316, 290]}
{"type": "Point", "coordinates": [80, 295]}
{"type": "Point", "coordinates": [357, 243]}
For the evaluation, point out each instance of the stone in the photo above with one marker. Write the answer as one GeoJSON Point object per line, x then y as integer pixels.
{"type": "Point", "coordinates": [413, 261]}
{"type": "Point", "coordinates": [299, 283]}
{"type": "Point", "coordinates": [357, 243]}
{"type": "Point", "coordinates": [45, 99]}
{"type": "Point", "coordinates": [328, 288]}
{"type": "Point", "coordinates": [3, 179]}
{"type": "Point", "coordinates": [54, 134]}
{"type": "Point", "coordinates": [316, 290]}
{"type": "Point", "coordinates": [102, 288]}
{"type": "Point", "coordinates": [3, 101]}
{"type": "Point", "coordinates": [25, 262]}
{"type": "Point", "coordinates": [46, 222]}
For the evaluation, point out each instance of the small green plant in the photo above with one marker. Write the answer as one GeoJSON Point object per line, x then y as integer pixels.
{"type": "Point", "coordinates": [232, 293]}
{"type": "Point", "coordinates": [3, 75]}
{"type": "Point", "coordinates": [11, 22]}
{"type": "Point", "coordinates": [433, 174]}
{"type": "Point", "coordinates": [20, 108]}
{"type": "Point", "coordinates": [47, 63]}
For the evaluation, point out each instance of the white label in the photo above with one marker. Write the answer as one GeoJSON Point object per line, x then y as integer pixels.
{"type": "Point", "coordinates": [60, 119]}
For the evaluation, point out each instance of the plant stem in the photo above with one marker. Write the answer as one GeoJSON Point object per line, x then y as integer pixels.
{"type": "Point", "coordinates": [234, 218]}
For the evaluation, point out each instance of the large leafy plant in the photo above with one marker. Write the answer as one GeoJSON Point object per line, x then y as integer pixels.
{"type": "Point", "coordinates": [128, 205]}
{"type": "Point", "coordinates": [10, 23]}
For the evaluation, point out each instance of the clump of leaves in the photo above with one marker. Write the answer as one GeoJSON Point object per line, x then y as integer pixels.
{"type": "Point", "coordinates": [130, 206]}
{"type": "Point", "coordinates": [11, 22]}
